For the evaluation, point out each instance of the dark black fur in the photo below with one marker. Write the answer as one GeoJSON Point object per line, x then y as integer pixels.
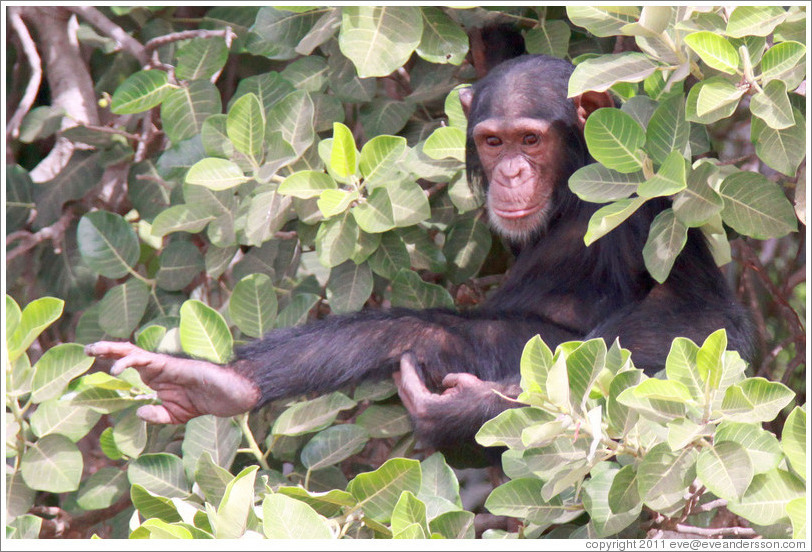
{"type": "Point", "coordinates": [558, 288]}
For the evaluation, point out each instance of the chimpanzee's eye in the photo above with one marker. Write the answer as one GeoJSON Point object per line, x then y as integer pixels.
{"type": "Point", "coordinates": [493, 141]}
{"type": "Point", "coordinates": [531, 139]}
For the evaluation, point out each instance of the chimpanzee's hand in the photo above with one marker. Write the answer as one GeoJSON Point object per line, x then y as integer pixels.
{"type": "Point", "coordinates": [186, 387]}
{"type": "Point", "coordinates": [461, 408]}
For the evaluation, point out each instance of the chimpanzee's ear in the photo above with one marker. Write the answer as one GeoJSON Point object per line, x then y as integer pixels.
{"type": "Point", "coordinates": [588, 102]}
{"type": "Point", "coordinates": [466, 98]}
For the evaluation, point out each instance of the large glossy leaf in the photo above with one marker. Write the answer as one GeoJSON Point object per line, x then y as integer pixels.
{"type": "Point", "coordinates": [380, 39]}
{"type": "Point", "coordinates": [201, 58]}
{"type": "Point", "coordinates": [379, 156]}
{"type": "Point", "coordinates": [596, 498]}
{"type": "Point", "coordinates": [182, 218]}
{"type": "Point", "coordinates": [793, 440]}
{"type": "Point", "coordinates": [378, 492]}
{"type": "Point", "coordinates": [665, 241]}
{"type": "Point", "coordinates": [310, 416]}
{"type": "Point", "coordinates": [760, 444]}
{"type": "Point", "coordinates": [349, 286]}
{"type": "Point", "coordinates": [725, 469]}
{"type": "Point", "coordinates": [756, 207]}
{"type": "Point", "coordinates": [446, 142]}
{"type": "Point", "coordinates": [506, 428]}
{"type": "Point", "coordinates": [600, 74]}
{"type": "Point", "coordinates": [754, 20]}
{"type": "Point", "coordinates": [56, 368]}
{"type": "Point", "coordinates": [390, 256]}
{"type": "Point", "coordinates": [521, 498]}
{"type": "Point", "coordinates": [772, 105]}
{"type": "Point", "coordinates": [552, 38]}
{"type": "Point", "coordinates": [253, 305]}
{"type": "Point", "coordinates": [602, 20]}
{"type": "Point", "coordinates": [409, 517]}
{"type": "Point", "coordinates": [663, 476]}
{"type": "Point", "coordinates": [783, 61]}
{"type": "Point", "coordinates": [181, 261]}
{"type": "Point", "coordinates": [698, 202]}
{"type": "Point", "coordinates": [336, 240]}
{"type": "Point", "coordinates": [141, 91]}
{"type": "Point", "coordinates": [598, 184]}
{"type": "Point", "coordinates": [667, 129]}
{"type": "Point", "coordinates": [107, 243]}
{"type": "Point", "coordinates": [52, 464]}
{"type": "Point", "coordinates": [467, 244]}
{"type": "Point", "coordinates": [277, 31]}
{"type": "Point", "coordinates": [204, 333]}
{"type": "Point", "coordinates": [614, 139]}
{"type": "Point", "coordinates": [231, 519]}
{"type": "Point", "coordinates": [284, 517]}
{"type": "Point", "coordinates": [333, 445]}
{"type": "Point", "coordinates": [160, 473]}
{"type": "Point", "coordinates": [782, 150]}
{"type": "Point", "coordinates": [245, 125]}
{"type": "Point", "coordinates": [343, 155]}
{"type": "Point", "coordinates": [217, 437]}
{"type": "Point", "coordinates": [443, 40]}
{"type": "Point", "coordinates": [102, 489]}
{"type": "Point", "coordinates": [755, 400]}
{"type": "Point", "coordinates": [293, 117]}
{"type": "Point", "coordinates": [409, 290]}
{"type": "Point", "coordinates": [715, 50]}
{"type": "Point", "coordinates": [375, 214]}
{"type": "Point", "coordinates": [37, 315]}
{"type": "Point", "coordinates": [307, 73]}
{"type": "Point", "coordinates": [607, 218]}
{"type": "Point", "coordinates": [185, 108]}
{"type": "Point", "coordinates": [122, 307]}
{"type": "Point", "coordinates": [55, 417]}
{"type": "Point", "coordinates": [765, 500]}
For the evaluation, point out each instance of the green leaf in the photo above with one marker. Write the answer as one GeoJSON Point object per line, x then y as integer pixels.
{"type": "Point", "coordinates": [714, 112]}
{"type": "Point", "coordinates": [377, 492]}
{"type": "Point", "coordinates": [379, 157]}
{"type": "Point", "coordinates": [325, 503]}
{"type": "Point", "coordinates": [596, 492]}
{"type": "Point", "coordinates": [664, 390]}
{"type": "Point", "coordinates": [52, 464]}
{"type": "Point", "coordinates": [130, 434]}
{"type": "Point", "coordinates": [293, 117]}
{"type": "Point", "coordinates": [716, 51]}
{"type": "Point", "coordinates": [210, 477]}
{"type": "Point", "coordinates": [333, 445]}
{"type": "Point", "coordinates": [756, 207]}
{"type": "Point", "coordinates": [107, 243]}
{"type": "Point", "coordinates": [443, 40]}
{"type": "Point", "coordinates": [201, 58]}
{"type": "Point", "coordinates": [375, 214]}
{"type": "Point", "coordinates": [203, 332]}
{"type": "Point", "coordinates": [245, 125]}
{"type": "Point", "coordinates": [665, 241]}
{"type": "Point", "coordinates": [607, 218]}
{"type": "Point", "coordinates": [709, 358]}
{"type": "Point", "coordinates": [754, 20]}
{"type": "Point", "coordinates": [410, 205]}
{"type": "Point", "coordinates": [521, 498]}
{"type": "Point", "coordinates": [623, 495]}
{"type": "Point", "coordinates": [725, 469]}
{"type": "Point", "coordinates": [336, 240]}
{"type": "Point", "coordinates": [680, 366]}
{"type": "Point", "coordinates": [667, 132]}
{"type": "Point", "coordinates": [385, 420]}
{"type": "Point", "coordinates": [408, 511]}
{"type": "Point", "coordinates": [614, 139]}
{"type": "Point", "coordinates": [335, 202]}
{"type": "Point", "coordinates": [122, 308]}
{"type": "Point", "coordinates": [663, 476]}
{"type": "Point", "coordinates": [307, 184]}
{"type": "Point", "coordinates": [602, 20]}
{"type": "Point", "coordinates": [19, 496]}
{"type": "Point", "coordinates": [783, 61]}
{"type": "Point", "coordinates": [583, 365]}
{"type": "Point", "coordinates": [253, 305]}
{"type": "Point", "coordinates": [782, 150]}
{"type": "Point", "coordinates": [454, 525]}
{"type": "Point", "coordinates": [411, 291]}
{"type": "Point", "coordinates": [793, 440]}
{"type": "Point", "coordinates": [597, 184]}
{"type": "Point", "coordinates": [287, 518]}
{"type": "Point", "coordinates": [796, 510]}
{"type": "Point", "coordinates": [669, 180]}
{"type": "Point", "coordinates": [102, 489]}
{"type": "Point", "coordinates": [551, 37]}
{"type": "Point", "coordinates": [182, 218]}
{"type": "Point", "coordinates": [755, 400]}
{"type": "Point", "coordinates": [307, 73]}
{"type": "Point", "coordinates": [601, 73]}
{"type": "Point", "coordinates": [343, 153]}
{"type": "Point", "coordinates": [766, 499]}
{"type": "Point", "coordinates": [141, 91]}
{"type": "Point", "coordinates": [698, 202]}
{"type": "Point", "coordinates": [160, 474]}
{"type": "Point", "coordinates": [238, 501]}
{"type": "Point", "coordinates": [446, 142]}
{"type": "Point", "coordinates": [717, 94]}
{"type": "Point", "coordinates": [56, 368]}
{"type": "Point", "coordinates": [506, 428]}
{"type": "Point", "coordinates": [379, 40]}
{"type": "Point", "coordinates": [217, 437]}
{"type": "Point", "coordinates": [761, 445]}
{"type": "Point", "coordinates": [772, 105]}
{"type": "Point", "coordinates": [467, 244]}
{"type": "Point", "coordinates": [349, 286]}
{"type": "Point", "coordinates": [37, 315]}
{"type": "Point", "coordinates": [185, 108]}
{"type": "Point", "coordinates": [55, 417]}
{"type": "Point", "coordinates": [310, 416]}
{"type": "Point", "coordinates": [390, 256]}
{"type": "Point", "coordinates": [181, 262]}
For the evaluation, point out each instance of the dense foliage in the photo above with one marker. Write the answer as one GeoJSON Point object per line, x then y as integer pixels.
{"type": "Point", "coordinates": [190, 178]}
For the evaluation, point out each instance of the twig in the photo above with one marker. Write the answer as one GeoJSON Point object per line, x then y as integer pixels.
{"type": "Point", "coordinates": [708, 506]}
{"type": "Point", "coordinates": [32, 88]}
{"type": "Point", "coordinates": [29, 240]}
{"type": "Point", "coordinates": [124, 40]}
{"type": "Point", "coordinates": [715, 531]}
{"type": "Point", "coordinates": [159, 41]}
{"type": "Point", "coordinates": [109, 130]}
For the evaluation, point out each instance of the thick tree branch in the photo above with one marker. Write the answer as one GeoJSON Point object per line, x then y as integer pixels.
{"type": "Point", "coordinates": [125, 41]}
{"type": "Point", "coordinates": [163, 40]}
{"type": "Point", "coordinates": [32, 88]}
{"type": "Point", "coordinates": [715, 532]}
{"type": "Point", "coordinates": [28, 240]}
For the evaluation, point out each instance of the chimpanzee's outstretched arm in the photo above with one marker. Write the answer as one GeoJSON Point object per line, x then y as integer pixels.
{"type": "Point", "coordinates": [326, 355]}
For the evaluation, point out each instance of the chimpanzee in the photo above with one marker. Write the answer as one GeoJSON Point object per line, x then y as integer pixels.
{"type": "Point", "coordinates": [525, 139]}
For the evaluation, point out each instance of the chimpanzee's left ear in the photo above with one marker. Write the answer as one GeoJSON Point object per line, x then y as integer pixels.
{"type": "Point", "coordinates": [466, 99]}
{"type": "Point", "coordinates": [588, 102]}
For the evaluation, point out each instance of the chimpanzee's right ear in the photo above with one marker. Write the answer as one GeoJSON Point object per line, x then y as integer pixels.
{"type": "Point", "coordinates": [466, 99]}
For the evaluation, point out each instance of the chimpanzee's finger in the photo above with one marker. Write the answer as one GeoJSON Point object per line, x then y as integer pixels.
{"type": "Point", "coordinates": [156, 414]}
{"type": "Point", "coordinates": [139, 360]}
{"type": "Point", "coordinates": [461, 379]}
{"type": "Point", "coordinates": [110, 349]}
{"type": "Point", "coordinates": [411, 388]}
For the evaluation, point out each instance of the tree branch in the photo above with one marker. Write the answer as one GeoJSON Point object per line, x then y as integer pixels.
{"type": "Point", "coordinates": [124, 40]}
{"type": "Point", "coordinates": [163, 40]}
{"type": "Point", "coordinates": [53, 233]}
{"type": "Point", "coordinates": [715, 532]}
{"type": "Point", "coordinates": [32, 88]}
